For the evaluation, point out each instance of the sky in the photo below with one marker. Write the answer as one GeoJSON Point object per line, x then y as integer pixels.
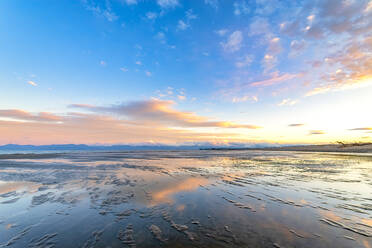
{"type": "Point", "coordinates": [178, 72]}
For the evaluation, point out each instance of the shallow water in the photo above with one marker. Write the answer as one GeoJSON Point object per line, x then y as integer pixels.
{"type": "Point", "coordinates": [186, 199]}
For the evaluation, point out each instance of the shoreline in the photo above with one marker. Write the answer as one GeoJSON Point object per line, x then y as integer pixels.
{"type": "Point", "coordinates": [357, 148]}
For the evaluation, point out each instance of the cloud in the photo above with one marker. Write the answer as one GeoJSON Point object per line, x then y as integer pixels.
{"type": "Point", "coordinates": [361, 129]}
{"type": "Point", "coordinates": [316, 132]}
{"type": "Point", "coordinates": [244, 62]}
{"type": "Point", "coordinates": [274, 46]}
{"type": "Point", "coordinates": [353, 63]}
{"type": "Point", "coordinates": [275, 79]}
{"type": "Point", "coordinates": [160, 112]}
{"type": "Point", "coordinates": [287, 102]}
{"type": "Point", "coordinates": [21, 115]}
{"type": "Point", "coordinates": [151, 15]}
{"type": "Point", "coordinates": [244, 99]}
{"type": "Point", "coordinates": [102, 11]}
{"type": "Point", "coordinates": [212, 3]}
{"type": "Point", "coordinates": [80, 128]}
{"type": "Point", "coordinates": [190, 15]}
{"type": "Point", "coordinates": [222, 32]}
{"type": "Point", "coordinates": [182, 25]}
{"type": "Point", "coordinates": [181, 97]}
{"type": "Point", "coordinates": [241, 8]}
{"type": "Point", "coordinates": [297, 47]}
{"type": "Point", "coordinates": [260, 26]}
{"type": "Point", "coordinates": [234, 42]}
{"type": "Point", "coordinates": [32, 83]}
{"type": "Point", "coordinates": [123, 69]}
{"type": "Point", "coordinates": [103, 63]}
{"type": "Point", "coordinates": [296, 125]}
{"type": "Point", "coordinates": [131, 2]}
{"type": "Point", "coordinates": [160, 36]}
{"type": "Point", "coordinates": [167, 3]}
{"type": "Point", "coordinates": [149, 74]}
{"type": "Point", "coordinates": [138, 62]}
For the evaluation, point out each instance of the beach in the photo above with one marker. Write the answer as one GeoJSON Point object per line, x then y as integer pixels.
{"type": "Point", "coordinates": [185, 199]}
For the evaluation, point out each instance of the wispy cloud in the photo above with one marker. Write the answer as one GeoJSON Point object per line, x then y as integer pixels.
{"type": "Point", "coordinates": [244, 99]}
{"type": "Point", "coordinates": [296, 125]}
{"type": "Point", "coordinates": [212, 3]}
{"type": "Point", "coordinates": [234, 42]}
{"type": "Point", "coordinates": [102, 11]}
{"type": "Point", "coordinates": [361, 129]}
{"type": "Point", "coordinates": [241, 8]}
{"type": "Point", "coordinates": [316, 132]}
{"type": "Point", "coordinates": [185, 24]}
{"type": "Point", "coordinates": [275, 79]}
{"type": "Point", "coordinates": [287, 102]}
{"type": "Point", "coordinates": [182, 25]}
{"type": "Point", "coordinates": [21, 115]}
{"type": "Point", "coordinates": [167, 3]}
{"type": "Point", "coordinates": [32, 83]}
{"type": "Point", "coordinates": [151, 15]}
{"type": "Point", "coordinates": [222, 32]}
{"type": "Point", "coordinates": [131, 2]}
{"type": "Point", "coordinates": [244, 62]}
{"type": "Point", "coordinates": [161, 112]}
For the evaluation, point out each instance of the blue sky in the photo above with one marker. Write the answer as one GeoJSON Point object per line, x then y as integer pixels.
{"type": "Point", "coordinates": [265, 64]}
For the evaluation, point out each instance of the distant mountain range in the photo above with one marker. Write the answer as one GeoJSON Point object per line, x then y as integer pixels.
{"type": "Point", "coordinates": [72, 147]}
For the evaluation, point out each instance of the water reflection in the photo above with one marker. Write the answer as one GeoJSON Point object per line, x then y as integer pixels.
{"type": "Point", "coordinates": [186, 198]}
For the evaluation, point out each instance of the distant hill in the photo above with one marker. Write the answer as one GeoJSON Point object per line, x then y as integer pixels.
{"type": "Point", "coordinates": [340, 147]}
{"type": "Point", "coordinates": [83, 147]}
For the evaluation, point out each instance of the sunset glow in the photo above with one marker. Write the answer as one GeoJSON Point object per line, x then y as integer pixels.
{"type": "Point", "coordinates": [185, 72]}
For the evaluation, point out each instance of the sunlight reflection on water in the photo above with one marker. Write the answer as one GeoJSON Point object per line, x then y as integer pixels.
{"type": "Point", "coordinates": [188, 198]}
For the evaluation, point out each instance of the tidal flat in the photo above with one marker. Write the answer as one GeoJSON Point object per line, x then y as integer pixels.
{"type": "Point", "coordinates": [186, 199]}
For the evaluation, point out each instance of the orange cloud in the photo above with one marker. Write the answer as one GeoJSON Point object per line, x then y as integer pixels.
{"type": "Point", "coordinates": [314, 132]}
{"type": "Point", "coordinates": [160, 112]}
{"type": "Point", "coordinates": [22, 115]}
{"type": "Point", "coordinates": [354, 63]}
{"type": "Point", "coordinates": [135, 122]}
{"type": "Point", "coordinates": [275, 80]}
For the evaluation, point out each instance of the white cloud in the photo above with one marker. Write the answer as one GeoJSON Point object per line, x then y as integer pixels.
{"type": "Point", "coordinates": [103, 12]}
{"type": "Point", "coordinates": [151, 15]}
{"type": "Point", "coordinates": [245, 61]}
{"type": "Point", "coordinates": [138, 63]}
{"type": "Point", "coordinates": [190, 15]}
{"type": "Point", "coordinates": [167, 3]}
{"type": "Point", "coordinates": [182, 25]}
{"type": "Point", "coordinates": [131, 2]}
{"type": "Point", "coordinates": [244, 99]}
{"type": "Point", "coordinates": [149, 74]}
{"type": "Point", "coordinates": [123, 69]}
{"type": "Point", "coordinates": [212, 3]}
{"type": "Point", "coordinates": [103, 63]}
{"type": "Point", "coordinates": [234, 42]}
{"type": "Point", "coordinates": [222, 32]}
{"type": "Point", "coordinates": [241, 8]}
{"type": "Point", "coordinates": [297, 47]}
{"type": "Point", "coordinates": [32, 83]}
{"type": "Point", "coordinates": [160, 36]}
{"type": "Point", "coordinates": [260, 26]}
{"type": "Point", "coordinates": [287, 102]}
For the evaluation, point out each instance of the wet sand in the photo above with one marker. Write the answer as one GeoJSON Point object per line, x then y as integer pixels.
{"type": "Point", "coordinates": [186, 199]}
